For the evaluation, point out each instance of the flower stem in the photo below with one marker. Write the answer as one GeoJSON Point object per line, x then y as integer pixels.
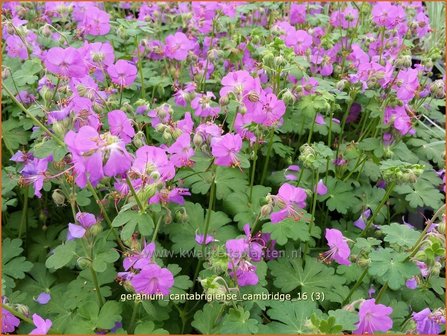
{"type": "Point", "coordinates": [428, 224]}
{"type": "Point", "coordinates": [106, 216]}
{"type": "Point", "coordinates": [157, 227]}
{"type": "Point", "coordinates": [253, 170]}
{"type": "Point", "coordinates": [33, 118]}
{"type": "Point", "coordinates": [208, 214]}
{"type": "Point", "coordinates": [356, 285]}
{"type": "Point", "coordinates": [378, 208]}
{"type": "Point", "coordinates": [133, 318]}
{"type": "Point", "coordinates": [140, 69]}
{"type": "Point", "coordinates": [381, 292]}
{"type": "Point", "coordinates": [24, 217]}
{"type": "Point", "coordinates": [314, 205]}
{"type": "Point", "coordinates": [267, 158]}
{"type": "Point", "coordinates": [134, 194]}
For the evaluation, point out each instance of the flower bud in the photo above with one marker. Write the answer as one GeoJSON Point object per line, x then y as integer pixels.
{"type": "Point", "coordinates": [139, 140]}
{"type": "Point", "coordinates": [253, 96]}
{"type": "Point", "coordinates": [288, 97]}
{"type": "Point", "coordinates": [94, 230]}
{"type": "Point", "coordinates": [83, 262]}
{"type": "Point", "coordinates": [437, 88]}
{"type": "Point", "coordinates": [266, 210]}
{"type": "Point", "coordinates": [341, 84]}
{"type": "Point", "coordinates": [167, 135]}
{"type": "Point", "coordinates": [21, 308]}
{"type": "Point", "coordinates": [224, 101]}
{"type": "Point", "coordinates": [58, 197]}
{"type": "Point", "coordinates": [197, 140]}
{"type": "Point", "coordinates": [181, 215]}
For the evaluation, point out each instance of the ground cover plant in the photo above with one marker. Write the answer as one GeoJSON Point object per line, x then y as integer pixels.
{"type": "Point", "coordinates": [223, 167]}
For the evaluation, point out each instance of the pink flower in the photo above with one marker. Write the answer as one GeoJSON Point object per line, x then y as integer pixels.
{"type": "Point", "coordinates": [96, 155]}
{"type": "Point", "coordinates": [42, 326]}
{"type": "Point", "coordinates": [269, 110]}
{"type": "Point", "coordinates": [177, 46]}
{"type": "Point", "coordinates": [289, 199]}
{"type": "Point", "coordinates": [153, 279]}
{"type": "Point", "coordinates": [122, 73]}
{"type": "Point", "coordinates": [338, 247]}
{"type": "Point", "coordinates": [65, 62]}
{"type": "Point", "coordinates": [400, 119]}
{"type": "Point", "coordinates": [321, 188]}
{"type": "Point", "coordinates": [181, 151]}
{"type": "Point", "coordinates": [100, 54]}
{"type": "Point", "coordinates": [9, 322]}
{"type": "Point", "coordinates": [300, 40]}
{"type": "Point", "coordinates": [34, 172]}
{"type": "Point", "coordinates": [16, 48]}
{"type": "Point", "coordinates": [373, 317]}
{"type": "Point", "coordinates": [96, 22]}
{"type": "Point", "coordinates": [226, 148]}
{"type": "Point", "coordinates": [297, 13]}
{"type": "Point", "coordinates": [407, 84]}
{"type": "Point", "coordinates": [203, 107]}
{"type": "Point", "coordinates": [151, 161]}
{"type": "Point", "coordinates": [120, 125]}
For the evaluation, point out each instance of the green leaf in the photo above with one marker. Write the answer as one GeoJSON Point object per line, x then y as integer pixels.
{"type": "Point", "coordinates": [206, 318]}
{"type": "Point", "coordinates": [130, 220]}
{"type": "Point", "coordinates": [49, 147]}
{"type": "Point", "coordinates": [340, 196]}
{"type": "Point", "coordinates": [238, 321]}
{"type": "Point", "coordinates": [345, 318]}
{"type": "Point", "coordinates": [110, 314]}
{"type": "Point", "coordinates": [229, 180]}
{"type": "Point", "coordinates": [148, 327]}
{"type": "Point", "coordinates": [13, 134]}
{"type": "Point", "coordinates": [421, 194]}
{"type": "Point", "coordinates": [238, 204]}
{"type": "Point", "coordinates": [290, 317]}
{"type": "Point", "coordinates": [181, 282]}
{"type": "Point", "coordinates": [289, 229]}
{"type": "Point", "coordinates": [183, 234]}
{"type": "Point", "coordinates": [400, 234]}
{"type": "Point", "coordinates": [390, 266]}
{"type": "Point", "coordinates": [14, 266]}
{"type": "Point", "coordinates": [313, 277]}
{"type": "Point", "coordinates": [61, 255]}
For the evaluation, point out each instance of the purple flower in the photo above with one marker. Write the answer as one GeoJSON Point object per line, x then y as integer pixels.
{"type": "Point", "coordinates": [202, 105]}
{"type": "Point", "coordinates": [100, 54]}
{"type": "Point", "coordinates": [428, 323]}
{"type": "Point", "coordinates": [338, 247]}
{"type": "Point", "coordinates": [9, 322]}
{"type": "Point", "coordinates": [181, 151]}
{"type": "Point", "coordinates": [16, 48]}
{"type": "Point", "coordinates": [411, 283]}
{"type": "Point", "coordinates": [166, 196]}
{"type": "Point", "coordinates": [269, 110]}
{"type": "Point", "coordinates": [42, 326]}
{"type": "Point", "coordinates": [65, 62]}
{"type": "Point", "coordinates": [86, 220]}
{"type": "Point", "coordinates": [43, 298]}
{"type": "Point", "coordinates": [141, 259]}
{"type": "Point", "coordinates": [177, 46]}
{"type": "Point", "coordinates": [225, 149]}
{"type": "Point", "coordinates": [240, 262]}
{"type": "Point", "coordinates": [34, 172]}
{"type": "Point", "coordinates": [96, 155]}
{"type": "Point", "coordinates": [401, 121]}
{"type": "Point", "coordinates": [120, 125]}
{"type": "Point", "coordinates": [290, 173]}
{"type": "Point", "coordinates": [321, 188]}
{"type": "Point", "coordinates": [385, 14]}
{"type": "Point", "coordinates": [300, 40]}
{"type": "Point", "coordinates": [200, 239]}
{"type": "Point", "coordinates": [289, 199]}
{"type": "Point", "coordinates": [150, 162]}
{"type": "Point", "coordinates": [96, 22]}
{"type": "Point", "coordinates": [407, 84]}
{"type": "Point", "coordinates": [373, 317]}
{"type": "Point", "coordinates": [153, 280]}
{"type": "Point", "coordinates": [122, 73]}
{"type": "Point", "coordinates": [361, 222]}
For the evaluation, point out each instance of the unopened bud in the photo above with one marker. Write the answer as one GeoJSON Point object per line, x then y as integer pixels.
{"type": "Point", "coordinates": [58, 197]}
{"type": "Point", "coordinates": [83, 263]}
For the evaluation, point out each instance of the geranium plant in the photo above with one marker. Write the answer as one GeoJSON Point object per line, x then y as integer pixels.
{"type": "Point", "coordinates": [223, 167]}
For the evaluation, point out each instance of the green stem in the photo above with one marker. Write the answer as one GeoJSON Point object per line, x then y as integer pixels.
{"type": "Point", "coordinates": [121, 96]}
{"type": "Point", "coordinates": [55, 90]}
{"type": "Point", "coordinates": [253, 170]}
{"type": "Point", "coordinates": [97, 288]}
{"type": "Point", "coordinates": [140, 69]}
{"type": "Point", "coordinates": [356, 285]}
{"type": "Point", "coordinates": [133, 318]}
{"type": "Point", "coordinates": [33, 118]}
{"type": "Point", "coordinates": [267, 158]}
{"type": "Point", "coordinates": [311, 131]}
{"type": "Point", "coordinates": [314, 204]}
{"type": "Point", "coordinates": [428, 224]}
{"type": "Point", "coordinates": [208, 215]}
{"type": "Point", "coordinates": [24, 217]}
{"type": "Point", "coordinates": [134, 194]}
{"type": "Point", "coordinates": [378, 208]}
{"type": "Point", "coordinates": [381, 292]}
{"type": "Point", "coordinates": [106, 216]}
{"type": "Point", "coordinates": [157, 227]}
